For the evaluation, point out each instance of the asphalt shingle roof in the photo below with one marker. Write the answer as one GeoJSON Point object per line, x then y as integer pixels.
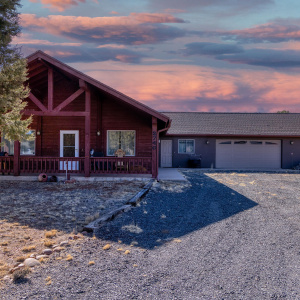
{"type": "Point", "coordinates": [265, 124]}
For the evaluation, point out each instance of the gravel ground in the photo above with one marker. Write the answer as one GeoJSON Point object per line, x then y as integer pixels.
{"type": "Point", "coordinates": [218, 236]}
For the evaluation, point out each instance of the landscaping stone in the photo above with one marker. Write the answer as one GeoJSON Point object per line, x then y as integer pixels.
{"type": "Point", "coordinates": [31, 262]}
{"type": "Point", "coordinates": [64, 244]}
{"type": "Point", "coordinates": [57, 249]}
{"type": "Point", "coordinates": [47, 251]}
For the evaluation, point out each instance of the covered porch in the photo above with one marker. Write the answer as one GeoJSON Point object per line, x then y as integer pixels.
{"type": "Point", "coordinates": [9, 165]}
{"type": "Point", "coordinates": [75, 117]}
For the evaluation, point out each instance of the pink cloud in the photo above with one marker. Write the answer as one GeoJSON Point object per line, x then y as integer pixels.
{"type": "Point", "coordinates": [59, 5]}
{"type": "Point", "coordinates": [25, 39]}
{"type": "Point", "coordinates": [134, 29]}
{"type": "Point", "coordinates": [195, 88]}
{"type": "Point", "coordinates": [279, 30]}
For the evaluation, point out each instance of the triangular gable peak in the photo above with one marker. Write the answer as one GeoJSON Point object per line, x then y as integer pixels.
{"type": "Point", "coordinates": [41, 65]}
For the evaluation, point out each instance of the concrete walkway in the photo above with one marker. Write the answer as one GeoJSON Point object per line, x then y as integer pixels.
{"type": "Point", "coordinates": [170, 174]}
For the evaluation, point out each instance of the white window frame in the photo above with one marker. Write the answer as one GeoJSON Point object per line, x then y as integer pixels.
{"type": "Point", "coordinates": [23, 154]}
{"type": "Point", "coordinates": [179, 140]}
{"type": "Point", "coordinates": [112, 130]}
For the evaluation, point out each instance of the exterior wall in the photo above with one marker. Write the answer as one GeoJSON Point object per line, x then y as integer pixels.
{"type": "Point", "coordinates": [290, 153]}
{"type": "Point", "coordinates": [206, 151]}
{"type": "Point", "coordinates": [107, 113]}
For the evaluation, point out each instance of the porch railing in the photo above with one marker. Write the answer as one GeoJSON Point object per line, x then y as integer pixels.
{"type": "Point", "coordinates": [6, 165]}
{"type": "Point", "coordinates": [51, 164]}
{"type": "Point", "coordinates": [98, 165]}
{"type": "Point", "coordinates": [126, 165]}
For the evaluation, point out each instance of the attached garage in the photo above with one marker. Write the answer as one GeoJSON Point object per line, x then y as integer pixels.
{"type": "Point", "coordinates": [248, 154]}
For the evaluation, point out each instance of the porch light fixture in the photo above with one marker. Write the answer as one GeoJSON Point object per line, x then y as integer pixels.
{"type": "Point", "coordinates": [292, 142]}
{"type": "Point", "coordinates": [38, 133]}
{"type": "Point", "coordinates": [98, 132]}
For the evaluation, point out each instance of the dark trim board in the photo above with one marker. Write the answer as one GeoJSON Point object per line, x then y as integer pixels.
{"type": "Point", "coordinates": [205, 146]}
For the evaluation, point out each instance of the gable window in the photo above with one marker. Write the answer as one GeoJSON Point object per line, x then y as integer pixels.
{"type": "Point", "coordinates": [26, 147]}
{"type": "Point", "coordinates": [121, 139]}
{"type": "Point", "coordinates": [186, 146]}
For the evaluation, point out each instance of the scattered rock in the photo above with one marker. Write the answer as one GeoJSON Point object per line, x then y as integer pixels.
{"type": "Point", "coordinates": [57, 249]}
{"type": "Point", "coordinates": [31, 262]}
{"type": "Point", "coordinates": [47, 251]}
{"type": "Point", "coordinates": [33, 255]}
{"type": "Point", "coordinates": [7, 278]}
{"type": "Point", "coordinates": [42, 256]}
{"type": "Point", "coordinates": [64, 244]}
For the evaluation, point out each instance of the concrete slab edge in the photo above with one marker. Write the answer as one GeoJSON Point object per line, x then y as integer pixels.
{"type": "Point", "coordinates": [94, 225]}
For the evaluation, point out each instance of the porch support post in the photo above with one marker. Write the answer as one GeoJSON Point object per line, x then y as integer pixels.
{"type": "Point", "coordinates": [154, 147]}
{"type": "Point", "coordinates": [87, 133]}
{"type": "Point", "coordinates": [50, 89]}
{"type": "Point", "coordinates": [16, 158]}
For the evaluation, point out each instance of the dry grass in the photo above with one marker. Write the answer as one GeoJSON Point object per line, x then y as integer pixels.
{"type": "Point", "coordinates": [29, 248]}
{"type": "Point", "coordinates": [69, 257]}
{"type": "Point", "coordinates": [48, 243]}
{"type": "Point", "coordinates": [20, 259]}
{"type": "Point", "coordinates": [107, 246]}
{"type": "Point", "coordinates": [4, 268]}
{"type": "Point", "coordinates": [51, 234]}
{"type": "Point", "coordinates": [21, 273]}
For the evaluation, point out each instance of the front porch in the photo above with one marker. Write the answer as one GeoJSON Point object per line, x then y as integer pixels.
{"type": "Point", "coordinates": [10, 165]}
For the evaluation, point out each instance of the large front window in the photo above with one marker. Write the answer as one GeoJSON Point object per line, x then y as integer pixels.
{"type": "Point", "coordinates": [121, 139]}
{"type": "Point", "coordinates": [26, 147]}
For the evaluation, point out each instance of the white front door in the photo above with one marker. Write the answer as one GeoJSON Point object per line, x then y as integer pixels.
{"type": "Point", "coordinates": [69, 147]}
{"type": "Point", "coordinates": [166, 153]}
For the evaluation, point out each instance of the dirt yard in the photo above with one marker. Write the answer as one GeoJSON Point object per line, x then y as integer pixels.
{"type": "Point", "coordinates": [37, 216]}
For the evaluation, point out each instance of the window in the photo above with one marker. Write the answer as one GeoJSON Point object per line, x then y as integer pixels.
{"type": "Point", "coordinates": [186, 146]}
{"type": "Point", "coordinates": [255, 143]}
{"type": "Point", "coordinates": [240, 142]}
{"type": "Point", "coordinates": [26, 147]}
{"type": "Point", "coordinates": [121, 139]}
{"type": "Point", "coordinates": [225, 143]}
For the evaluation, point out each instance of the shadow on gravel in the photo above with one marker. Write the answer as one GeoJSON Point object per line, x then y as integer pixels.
{"type": "Point", "coordinates": [171, 210]}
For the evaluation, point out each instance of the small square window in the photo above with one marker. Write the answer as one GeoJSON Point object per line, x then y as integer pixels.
{"type": "Point", "coordinates": [186, 146]}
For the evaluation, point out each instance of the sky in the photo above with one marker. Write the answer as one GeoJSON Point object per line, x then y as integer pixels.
{"type": "Point", "coordinates": [176, 55]}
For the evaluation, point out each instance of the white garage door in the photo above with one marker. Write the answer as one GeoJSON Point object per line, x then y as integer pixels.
{"type": "Point", "coordinates": [248, 154]}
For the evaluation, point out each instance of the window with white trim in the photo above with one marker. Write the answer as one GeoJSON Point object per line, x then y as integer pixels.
{"type": "Point", "coordinates": [26, 147]}
{"type": "Point", "coordinates": [121, 139]}
{"type": "Point", "coordinates": [186, 146]}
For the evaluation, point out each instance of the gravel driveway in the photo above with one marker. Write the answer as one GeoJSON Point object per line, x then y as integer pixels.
{"type": "Point", "coordinates": [218, 236]}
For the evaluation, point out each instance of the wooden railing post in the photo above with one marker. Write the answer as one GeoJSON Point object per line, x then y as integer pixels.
{"type": "Point", "coordinates": [87, 162]}
{"type": "Point", "coordinates": [16, 158]}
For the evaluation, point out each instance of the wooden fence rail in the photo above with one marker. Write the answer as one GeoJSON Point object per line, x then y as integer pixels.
{"type": "Point", "coordinates": [98, 165]}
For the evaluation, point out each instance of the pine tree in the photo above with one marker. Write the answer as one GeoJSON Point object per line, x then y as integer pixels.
{"type": "Point", "coordinates": [13, 74]}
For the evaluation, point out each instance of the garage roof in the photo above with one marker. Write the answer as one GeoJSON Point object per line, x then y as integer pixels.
{"type": "Point", "coordinates": [234, 124]}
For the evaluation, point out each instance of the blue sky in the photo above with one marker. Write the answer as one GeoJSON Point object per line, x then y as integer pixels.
{"type": "Point", "coordinates": [176, 55]}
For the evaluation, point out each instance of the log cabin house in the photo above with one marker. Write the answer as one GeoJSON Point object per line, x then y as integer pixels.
{"type": "Point", "coordinates": [79, 123]}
